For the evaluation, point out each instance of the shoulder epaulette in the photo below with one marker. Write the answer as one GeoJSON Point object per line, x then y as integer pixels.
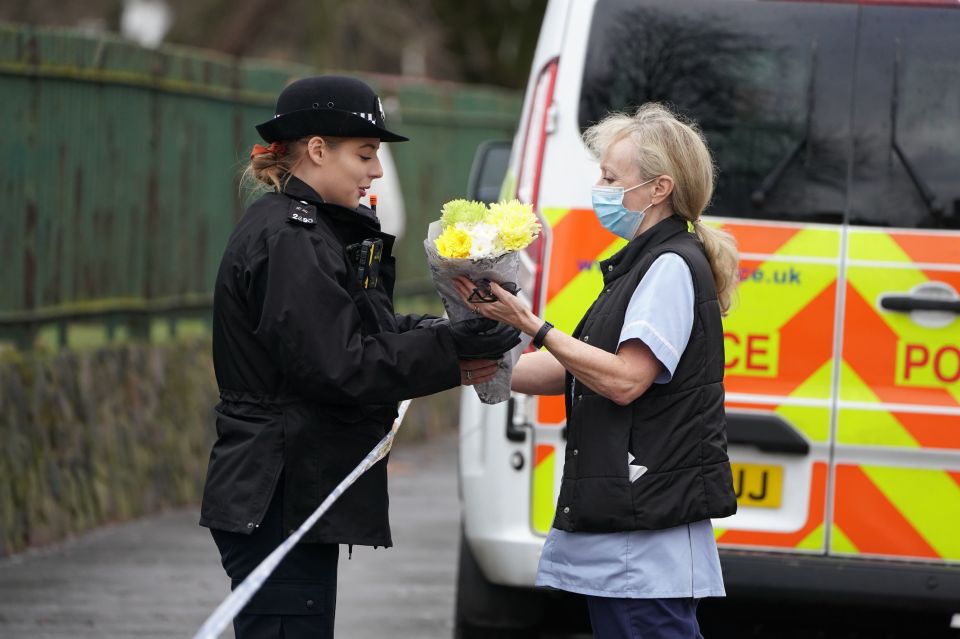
{"type": "Point", "coordinates": [303, 213]}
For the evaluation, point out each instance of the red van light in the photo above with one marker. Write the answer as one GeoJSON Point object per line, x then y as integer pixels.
{"type": "Point", "coordinates": [535, 251]}
{"type": "Point", "coordinates": [530, 166]}
{"type": "Point", "coordinates": [535, 135]}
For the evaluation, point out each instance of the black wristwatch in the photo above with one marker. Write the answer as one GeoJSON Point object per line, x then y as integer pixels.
{"type": "Point", "coordinates": [541, 334]}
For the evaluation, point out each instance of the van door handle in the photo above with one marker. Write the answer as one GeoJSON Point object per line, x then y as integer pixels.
{"type": "Point", "coordinates": [907, 303]}
{"type": "Point", "coordinates": [515, 432]}
{"type": "Point", "coordinates": [767, 431]}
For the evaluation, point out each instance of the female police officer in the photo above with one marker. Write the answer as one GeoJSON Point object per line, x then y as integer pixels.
{"type": "Point", "coordinates": [311, 359]}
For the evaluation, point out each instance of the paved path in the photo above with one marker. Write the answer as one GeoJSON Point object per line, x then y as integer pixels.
{"type": "Point", "coordinates": [161, 576]}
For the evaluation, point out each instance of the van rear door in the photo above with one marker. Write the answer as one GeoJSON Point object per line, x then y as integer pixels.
{"type": "Point", "coordinates": [897, 463]}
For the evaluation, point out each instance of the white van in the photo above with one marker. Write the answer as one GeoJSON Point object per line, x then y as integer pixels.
{"type": "Point", "coordinates": [836, 130]}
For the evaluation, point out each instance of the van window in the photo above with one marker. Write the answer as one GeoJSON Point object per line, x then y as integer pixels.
{"type": "Point", "coordinates": [769, 82]}
{"type": "Point", "coordinates": [907, 119]}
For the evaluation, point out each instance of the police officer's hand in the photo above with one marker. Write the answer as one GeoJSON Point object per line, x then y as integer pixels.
{"type": "Point", "coordinates": [477, 371]}
{"type": "Point", "coordinates": [429, 321]}
{"type": "Point", "coordinates": [482, 338]}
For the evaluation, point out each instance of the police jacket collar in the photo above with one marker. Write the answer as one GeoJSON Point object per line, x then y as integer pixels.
{"type": "Point", "coordinates": [300, 190]}
{"type": "Point", "coordinates": [624, 259]}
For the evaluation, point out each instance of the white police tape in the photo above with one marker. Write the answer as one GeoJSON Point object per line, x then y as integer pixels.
{"type": "Point", "coordinates": [236, 600]}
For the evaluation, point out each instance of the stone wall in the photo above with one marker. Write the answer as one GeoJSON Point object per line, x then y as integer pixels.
{"type": "Point", "coordinates": [104, 435]}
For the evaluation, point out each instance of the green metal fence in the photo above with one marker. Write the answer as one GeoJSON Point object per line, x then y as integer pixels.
{"type": "Point", "coordinates": [120, 172]}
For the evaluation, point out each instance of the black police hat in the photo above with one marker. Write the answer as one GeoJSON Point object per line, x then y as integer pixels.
{"type": "Point", "coordinates": [333, 105]}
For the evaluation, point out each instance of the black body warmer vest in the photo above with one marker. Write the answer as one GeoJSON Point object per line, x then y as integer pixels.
{"type": "Point", "coordinates": [677, 430]}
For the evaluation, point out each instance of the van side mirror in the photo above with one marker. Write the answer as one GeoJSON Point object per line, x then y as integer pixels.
{"type": "Point", "coordinates": [489, 168]}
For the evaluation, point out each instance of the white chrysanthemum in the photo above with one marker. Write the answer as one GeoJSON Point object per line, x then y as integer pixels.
{"type": "Point", "coordinates": [483, 239]}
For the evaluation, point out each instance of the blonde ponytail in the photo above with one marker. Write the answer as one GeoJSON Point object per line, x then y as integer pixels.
{"type": "Point", "coordinates": [270, 167]}
{"type": "Point", "coordinates": [666, 144]}
{"type": "Point", "coordinates": [721, 251]}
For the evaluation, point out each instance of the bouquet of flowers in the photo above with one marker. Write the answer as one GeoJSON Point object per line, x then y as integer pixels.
{"type": "Point", "coordinates": [482, 243]}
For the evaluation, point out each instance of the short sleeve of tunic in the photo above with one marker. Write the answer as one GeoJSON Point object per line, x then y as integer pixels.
{"type": "Point", "coordinates": [660, 312]}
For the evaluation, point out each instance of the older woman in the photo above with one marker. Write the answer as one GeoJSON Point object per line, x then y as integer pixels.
{"type": "Point", "coordinates": [646, 464]}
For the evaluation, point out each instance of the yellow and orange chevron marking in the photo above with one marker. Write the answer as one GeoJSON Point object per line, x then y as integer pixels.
{"type": "Point", "coordinates": [542, 500]}
{"type": "Point", "coordinates": [899, 512]}
{"type": "Point", "coordinates": [788, 285]}
{"type": "Point", "coordinates": [887, 357]}
{"type": "Point", "coordinates": [779, 343]}
{"type": "Point", "coordinates": [770, 347]}
{"type": "Point", "coordinates": [903, 379]}
{"type": "Point", "coordinates": [578, 242]}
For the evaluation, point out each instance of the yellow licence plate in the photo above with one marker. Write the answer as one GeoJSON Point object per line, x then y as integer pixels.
{"type": "Point", "coordinates": [757, 485]}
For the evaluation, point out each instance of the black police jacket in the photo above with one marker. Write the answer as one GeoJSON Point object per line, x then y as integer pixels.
{"type": "Point", "coordinates": [677, 430]}
{"type": "Point", "coordinates": [311, 362]}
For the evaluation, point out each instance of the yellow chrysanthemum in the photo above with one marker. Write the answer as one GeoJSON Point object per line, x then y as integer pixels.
{"type": "Point", "coordinates": [453, 242]}
{"type": "Point", "coordinates": [516, 222]}
{"type": "Point", "coordinates": [462, 212]}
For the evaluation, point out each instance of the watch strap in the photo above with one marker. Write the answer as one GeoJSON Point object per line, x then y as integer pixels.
{"type": "Point", "coordinates": [541, 334]}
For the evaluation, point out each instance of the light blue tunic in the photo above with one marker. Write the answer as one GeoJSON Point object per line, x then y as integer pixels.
{"type": "Point", "coordinates": [643, 564]}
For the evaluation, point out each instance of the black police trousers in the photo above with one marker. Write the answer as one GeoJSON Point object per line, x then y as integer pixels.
{"type": "Point", "coordinates": [299, 599]}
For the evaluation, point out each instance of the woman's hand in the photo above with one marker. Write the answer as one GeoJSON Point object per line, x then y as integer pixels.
{"type": "Point", "coordinates": [477, 371]}
{"type": "Point", "coordinates": [621, 377]}
{"type": "Point", "coordinates": [507, 309]}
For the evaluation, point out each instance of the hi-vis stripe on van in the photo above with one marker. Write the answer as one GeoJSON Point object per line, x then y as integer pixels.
{"type": "Point", "coordinates": [836, 134]}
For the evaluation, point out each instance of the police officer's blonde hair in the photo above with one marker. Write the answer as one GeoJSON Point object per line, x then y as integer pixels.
{"type": "Point", "coordinates": [274, 168]}
{"type": "Point", "coordinates": [667, 145]}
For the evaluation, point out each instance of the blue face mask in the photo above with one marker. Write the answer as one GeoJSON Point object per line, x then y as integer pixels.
{"type": "Point", "coordinates": [616, 218]}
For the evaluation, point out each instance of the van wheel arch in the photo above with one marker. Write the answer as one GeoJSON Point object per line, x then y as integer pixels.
{"type": "Point", "coordinates": [491, 611]}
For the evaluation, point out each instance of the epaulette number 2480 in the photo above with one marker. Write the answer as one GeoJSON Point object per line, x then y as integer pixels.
{"type": "Point", "coordinates": [302, 213]}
